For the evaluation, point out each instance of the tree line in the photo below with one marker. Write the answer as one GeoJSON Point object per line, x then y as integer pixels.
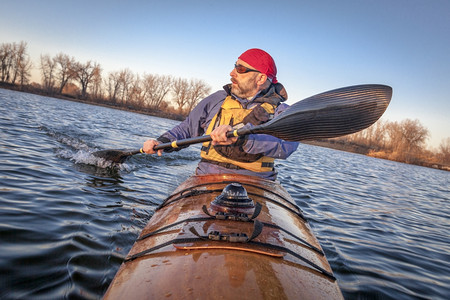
{"type": "Point", "coordinates": [63, 75]}
{"type": "Point", "coordinates": [164, 95]}
{"type": "Point", "coordinates": [403, 141]}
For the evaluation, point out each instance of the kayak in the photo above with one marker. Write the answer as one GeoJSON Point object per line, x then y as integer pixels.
{"type": "Point", "coordinates": [226, 236]}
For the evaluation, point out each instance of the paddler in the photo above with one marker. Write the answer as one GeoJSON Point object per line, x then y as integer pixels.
{"type": "Point", "coordinates": [254, 97]}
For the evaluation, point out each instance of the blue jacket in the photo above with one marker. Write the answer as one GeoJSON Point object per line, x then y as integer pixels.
{"type": "Point", "coordinates": [199, 119]}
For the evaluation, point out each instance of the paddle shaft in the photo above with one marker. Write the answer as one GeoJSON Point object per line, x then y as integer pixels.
{"type": "Point", "coordinates": [119, 156]}
{"type": "Point", "coordinates": [200, 139]}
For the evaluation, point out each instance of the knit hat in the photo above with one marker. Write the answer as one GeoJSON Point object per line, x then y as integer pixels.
{"type": "Point", "coordinates": [261, 61]}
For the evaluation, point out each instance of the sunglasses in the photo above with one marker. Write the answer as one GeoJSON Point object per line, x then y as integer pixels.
{"type": "Point", "coordinates": [241, 69]}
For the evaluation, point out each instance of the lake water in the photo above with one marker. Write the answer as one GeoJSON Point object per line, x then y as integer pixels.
{"type": "Point", "coordinates": [67, 220]}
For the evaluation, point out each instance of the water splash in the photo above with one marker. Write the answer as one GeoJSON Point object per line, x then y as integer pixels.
{"type": "Point", "coordinates": [78, 151]}
{"type": "Point", "coordinates": [85, 157]}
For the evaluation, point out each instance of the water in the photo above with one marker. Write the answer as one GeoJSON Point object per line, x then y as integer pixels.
{"type": "Point", "coordinates": [67, 219]}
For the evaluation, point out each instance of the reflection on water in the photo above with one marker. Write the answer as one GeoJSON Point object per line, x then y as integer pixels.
{"type": "Point", "coordinates": [67, 220]}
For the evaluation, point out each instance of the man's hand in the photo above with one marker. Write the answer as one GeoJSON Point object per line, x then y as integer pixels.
{"type": "Point", "coordinates": [219, 135]}
{"type": "Point", "coordinates": [149, 145]}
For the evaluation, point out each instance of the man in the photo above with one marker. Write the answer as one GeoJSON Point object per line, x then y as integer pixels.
{"type": "Point", "coordinates": [253, 97]}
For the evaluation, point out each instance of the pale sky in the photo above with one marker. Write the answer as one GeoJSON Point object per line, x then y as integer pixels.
{"type": "Point", "coordinates": [317, 45]}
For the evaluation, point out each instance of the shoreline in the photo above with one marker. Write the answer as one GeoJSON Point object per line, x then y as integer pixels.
{"type": "Point", "coordinates": [359, 149]}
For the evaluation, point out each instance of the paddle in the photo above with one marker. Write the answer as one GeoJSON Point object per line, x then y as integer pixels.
{"type": "Point", "coordinates": [331, 114]}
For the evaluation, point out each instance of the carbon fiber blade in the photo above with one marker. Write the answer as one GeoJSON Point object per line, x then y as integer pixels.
{"type": "Point", "coordinates": [330, 114]}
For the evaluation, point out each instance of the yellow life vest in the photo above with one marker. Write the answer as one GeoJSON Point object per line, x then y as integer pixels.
{"type": "Point", "coordinates": [232, 113]}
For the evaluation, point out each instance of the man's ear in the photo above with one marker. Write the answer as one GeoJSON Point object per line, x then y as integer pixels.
{"type": "Point", "coordinates": [261, 79]}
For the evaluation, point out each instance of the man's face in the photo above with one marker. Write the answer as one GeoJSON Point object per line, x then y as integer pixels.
{"type": "Point", "coordinates": [244, 85]}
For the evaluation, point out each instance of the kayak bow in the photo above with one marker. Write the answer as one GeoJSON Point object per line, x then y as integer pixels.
{"type": "Point", "coordinates": [226, 237]}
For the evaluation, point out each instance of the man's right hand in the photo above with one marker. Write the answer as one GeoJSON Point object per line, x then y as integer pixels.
{"type": "Point", "coordinates": [149, 145]}
{"type": "Point", "coordinates": [219, 135]}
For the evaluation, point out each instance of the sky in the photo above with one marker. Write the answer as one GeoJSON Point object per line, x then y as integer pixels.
{"type": "Point", "coordinates": [317, 45]}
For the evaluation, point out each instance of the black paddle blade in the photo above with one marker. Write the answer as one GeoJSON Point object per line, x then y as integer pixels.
{"type": "Point", "coordinates": [331, 114]}
{"type": "Point", "coordinates": [116, 156]}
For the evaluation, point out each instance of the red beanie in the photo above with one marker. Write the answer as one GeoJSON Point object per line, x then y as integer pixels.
{"type": "Point", "coordinates": [261, 61]}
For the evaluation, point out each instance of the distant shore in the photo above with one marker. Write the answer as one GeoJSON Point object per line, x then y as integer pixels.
{"type": "Point", "coordinates": [360, 149]}
{"type": "Point", "coordinates": [150, 112]}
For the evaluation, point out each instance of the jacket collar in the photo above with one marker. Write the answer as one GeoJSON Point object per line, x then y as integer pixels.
{"type": "Point", "coordinates": [274, 94]}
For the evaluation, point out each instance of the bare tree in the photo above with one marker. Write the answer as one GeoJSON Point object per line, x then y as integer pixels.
{"type": "Point", "coordinates": [15, 63]}
{"type": "Point", "coordinates": [406, 139]}
{"type": "Point", "coordinates": [394, 134]}
{"type": "Point", "coordinates": [24, 70]}
{"type": "Point", "coordinates": [198, 90]}
{"type": "Point", "coordinates": [165, 85]}
{"type": "Point", "coordinates": [21, 64]}
{"type": "Point", "coordinates": [150, 85]}
{"type": "Point", "coordinates": [156, 88]}
{"type": "Point", "coordinates": [181, 90]}
{"type": "Point", "coordinates": [65, 70]}
{"type": "Point", "coordinates": [414, 135]}
{"type": "Point", "coordinates": [444, 148]}
{"type": "Point", "coordinates": [19, 55]}
{"type": "Point", "coordinates": [4, 54]}
{"type": "Point", "coordinates": [137, 93]}
{"type": "Point", "coordinates": [6, 60]}
{"type": "Point", "coordinates": [95, 88]}
{"type": "Point", "coordinates": [119, 84]}
{"type": "Point", "coordinates": [113, 86]}
{"type": "Point", "coordinates": [85, 74]}
{"type": "Point", "coordinates": [126, 78]}
{"type": "Point", "coordinates": [48, 69]}
{"type": "Point", "coordinates": [378, 138]}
